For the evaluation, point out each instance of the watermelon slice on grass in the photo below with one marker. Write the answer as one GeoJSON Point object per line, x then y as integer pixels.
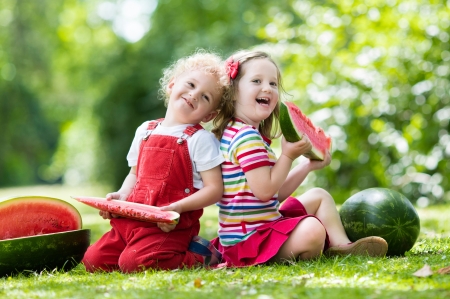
{"type": "Point", "coordinates": [131, 209]}
{"type": "Point", "coordinates": [295, 124]}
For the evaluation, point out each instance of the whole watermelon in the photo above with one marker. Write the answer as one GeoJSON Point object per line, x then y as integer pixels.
{"type": "Point", "coordinates": [381, 212]}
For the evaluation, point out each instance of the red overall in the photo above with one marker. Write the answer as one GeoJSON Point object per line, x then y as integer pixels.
{"type": "Point", "coordinates": [164, 175]}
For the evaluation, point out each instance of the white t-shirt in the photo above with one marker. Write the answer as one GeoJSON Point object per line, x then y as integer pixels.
{"type": "Point", "coordinates": [203, 148]}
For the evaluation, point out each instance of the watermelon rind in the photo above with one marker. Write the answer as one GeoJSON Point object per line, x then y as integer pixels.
{"type": "Point", "coordinates": [291, 134]}
{"type": "Point", "coordinates": [381, 212]}
{"type": "Point", "coordinates": [23, 216]}
{"type": "Point", "coordinates": [61, 251]}
{"type": "Point", "coordinates": [287, 126]}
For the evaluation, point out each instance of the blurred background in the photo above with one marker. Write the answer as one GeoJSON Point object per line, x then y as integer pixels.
{"type": "Point", "coordinates": [78, 77]}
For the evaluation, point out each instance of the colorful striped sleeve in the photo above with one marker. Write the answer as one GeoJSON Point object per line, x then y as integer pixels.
{"type": "Point", "coordinates": [247, 149]}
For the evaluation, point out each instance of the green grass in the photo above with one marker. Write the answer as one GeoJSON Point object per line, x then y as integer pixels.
{"type": "Point", "coordinates": [345, 277]}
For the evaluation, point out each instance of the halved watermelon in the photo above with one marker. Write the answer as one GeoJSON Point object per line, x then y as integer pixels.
{"type": "Point", "coordinates": [131, 209]}
{"type": "Point", "coordinates": [61, 251]}
{"type": "Point", "coordinates": [36, 215]}
{"type": "Point", "coordinates": [294, 124]}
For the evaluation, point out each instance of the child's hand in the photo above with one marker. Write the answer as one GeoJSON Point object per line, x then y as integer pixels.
{"type": "Point", "coordinates": [165, 227]}
{"type": "Point", "coordinates": [172, 207]}
{"type": "Point", "coordinates": [111, 196]}
{"type": "Point", "coordinates": [293, 150]}
{"type": "Point", "coordinates": [116, 196]}
{"type": "Point", "coordinates": [317, 164]}
{"type": "Point", "coordinates": [175, 206]}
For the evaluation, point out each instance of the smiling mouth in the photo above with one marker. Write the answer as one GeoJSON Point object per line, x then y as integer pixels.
{"type": "Point", "coordinates": [189, 103]}
{"type": "Point", "coordinates": [263, 101]}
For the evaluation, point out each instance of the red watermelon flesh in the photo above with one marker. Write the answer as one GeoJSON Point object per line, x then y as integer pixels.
{"type": "Point", "coordinates": [131, 209]}
{"type": "Point", "coordinates": [294, 124]}
{"type": "Point", "coordinates": [36, 215]}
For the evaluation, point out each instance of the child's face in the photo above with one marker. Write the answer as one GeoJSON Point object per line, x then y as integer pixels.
{"type": "Point", "coordinates": [257, 93]}
{"type": "Point", "coordinates": [194, 97]}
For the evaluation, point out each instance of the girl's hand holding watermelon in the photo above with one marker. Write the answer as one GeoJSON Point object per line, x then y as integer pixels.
{"type": "Point", "coordinates": [318, 164]}
{"type": "Point", "coordinates": [293, 150]}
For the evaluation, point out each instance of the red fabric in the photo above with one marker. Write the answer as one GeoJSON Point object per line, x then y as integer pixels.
{"type": "Point", "coordinates": [164, 175]}
{"type": "Point", "coordinates": [265, 243]}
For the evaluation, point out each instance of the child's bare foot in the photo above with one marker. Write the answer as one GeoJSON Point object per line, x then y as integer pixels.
{"type": "Point", "coordinates": [369, 246]}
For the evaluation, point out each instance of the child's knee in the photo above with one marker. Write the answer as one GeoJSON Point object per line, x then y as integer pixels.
{"type": "Point", "coordinates": [321, 193]}
{"type": "Point", "coordinates": [313, 232]}
{"type": "Point", "coordinates": [93, 261]}
{"type": "Point", "coordinates": [129, 262]}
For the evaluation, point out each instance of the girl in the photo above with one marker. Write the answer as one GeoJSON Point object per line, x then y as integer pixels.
{"type": "Point", "coordinates": [252, 227]}
{"type": "Point", "coordinates": [175, 164]}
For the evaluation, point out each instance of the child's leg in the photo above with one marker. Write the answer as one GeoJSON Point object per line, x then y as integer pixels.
{"type": "Point", "coordinates": [151, 248]}
{"type": "Point", "coordinates": [306, 241]}
{"type": "Point", "coordinates": [104, 254]}
{"type": "Point", "coordinates": [320, 203]}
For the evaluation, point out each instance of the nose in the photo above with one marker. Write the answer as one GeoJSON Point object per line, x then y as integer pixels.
{"type": "Point", "coordinates": [267, 88]}
{"type": "Point", "coordinates": [193, 94]}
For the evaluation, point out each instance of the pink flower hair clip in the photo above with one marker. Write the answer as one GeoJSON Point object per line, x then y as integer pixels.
{"type": "Point", "coordinates": [232, 67]}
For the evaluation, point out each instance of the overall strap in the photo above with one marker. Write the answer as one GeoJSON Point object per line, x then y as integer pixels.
{"type": "Point", "coordinates": [188, 132]}
{"type": "Point", "coordinates": [192, 129]}
{"type": "Point", "coordinates": [151, 126]}
{"type": "Point", "coordinates": [154, 123]}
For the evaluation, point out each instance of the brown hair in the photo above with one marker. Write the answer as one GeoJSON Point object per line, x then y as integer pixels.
{"type": "Point", "coordinates": [268, 127]}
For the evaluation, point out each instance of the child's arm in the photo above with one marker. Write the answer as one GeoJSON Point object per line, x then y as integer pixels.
{"type": "Point", "coordinates": [122, 193]}
{"type": "Point", "coordinates": [298, 174]}
{"type": "Point", "coordinates": [210, 193]}
{"type": "Point", "coordinates": [265, 181]}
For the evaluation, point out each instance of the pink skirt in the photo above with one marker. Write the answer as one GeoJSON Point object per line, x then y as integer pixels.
{"type": "Point", "coordinates": [265, 243]}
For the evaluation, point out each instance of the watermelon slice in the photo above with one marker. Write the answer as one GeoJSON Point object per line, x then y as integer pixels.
{"type": "Point", "coordinates": [36, 215]}
{"type": "Point", "coordinates": [131, 209]}
{"type": "Point", "coordinates": [294, 124]}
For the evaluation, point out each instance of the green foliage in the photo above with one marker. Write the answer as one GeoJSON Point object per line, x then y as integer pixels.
{"type": "Point", "coordinates": [373, 74]}
{"type": "Point", "coordinates": [29, 136]}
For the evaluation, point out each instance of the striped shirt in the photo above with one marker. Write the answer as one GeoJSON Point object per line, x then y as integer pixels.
{"type": "Point", "coordinates": [240, 212]}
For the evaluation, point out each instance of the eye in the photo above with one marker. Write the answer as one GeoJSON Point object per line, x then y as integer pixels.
{"type": "Point", "coordinates": [274, 83]}
{"type": "Point", "coordinates": [256, 81]}
{"type": "Point", "coordinates": [190, 84]}
{"type": "Point", "coordinates": [206, 97]}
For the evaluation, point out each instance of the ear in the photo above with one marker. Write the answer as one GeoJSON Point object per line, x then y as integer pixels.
{"type": "Point", "coordinates": [210, 116]}
{"type": "Point", "coordinates": [170, 86]}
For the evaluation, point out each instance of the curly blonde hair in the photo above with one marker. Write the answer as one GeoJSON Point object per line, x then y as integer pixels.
{"type": "Point", "coordinates": [208, 62]}
{"type": "Point", "coordinates": [268, 127]}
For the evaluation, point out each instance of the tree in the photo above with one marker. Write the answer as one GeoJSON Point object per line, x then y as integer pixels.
{"type": "Point", "coordinates": [375, 76]}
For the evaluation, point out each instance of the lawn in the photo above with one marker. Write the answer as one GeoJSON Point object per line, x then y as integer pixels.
{"type": "Point", "coordinates": [345, 277]}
